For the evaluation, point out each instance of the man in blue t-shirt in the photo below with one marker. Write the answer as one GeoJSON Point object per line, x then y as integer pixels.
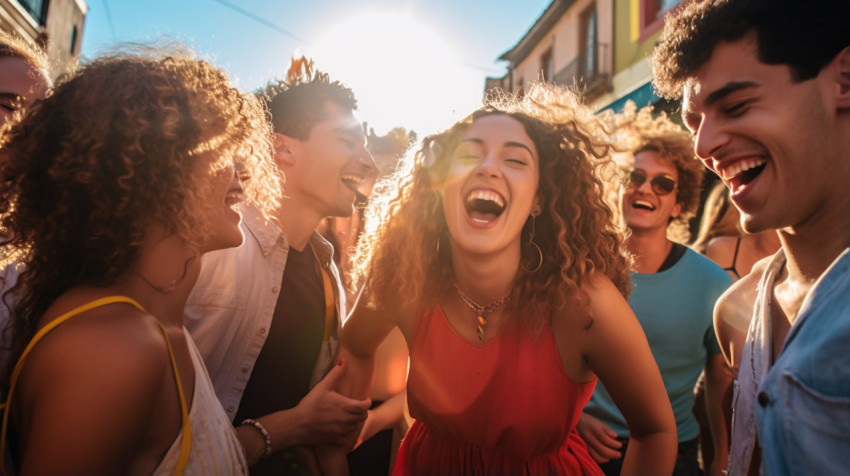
{"type": "Point", "coordinates": [673, 290]}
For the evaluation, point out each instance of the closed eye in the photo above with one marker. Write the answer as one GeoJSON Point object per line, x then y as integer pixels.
{"type": "Point", "coordinates": [737, 108]}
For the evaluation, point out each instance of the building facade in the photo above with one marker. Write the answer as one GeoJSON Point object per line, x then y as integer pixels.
{"type": "Point", "coordinates": [55, 25]}
{"type": "Point", "coordinates": [602, 47]}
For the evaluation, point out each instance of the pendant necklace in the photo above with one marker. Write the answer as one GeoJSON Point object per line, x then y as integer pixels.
{"type": "Point", "coordinates": [481, 312]}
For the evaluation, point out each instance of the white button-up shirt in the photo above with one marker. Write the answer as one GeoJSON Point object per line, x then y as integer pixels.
{"type": "Point", "coordinates": [230, 309]}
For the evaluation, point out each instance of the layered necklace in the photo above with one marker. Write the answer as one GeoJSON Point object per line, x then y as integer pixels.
{"type": "Point", "coordinates": [481, 312]}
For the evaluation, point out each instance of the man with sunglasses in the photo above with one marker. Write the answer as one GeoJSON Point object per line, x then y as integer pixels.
{"type": "Point", "coordinates": [673, 288]}
{"type": "Point", "coordinates": [765, 87]}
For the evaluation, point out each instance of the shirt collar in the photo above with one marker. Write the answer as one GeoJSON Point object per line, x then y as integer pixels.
{"type": "Point", "coordinates": [264, 231]}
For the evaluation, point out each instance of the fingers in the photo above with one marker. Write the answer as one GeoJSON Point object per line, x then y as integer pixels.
{"type": "Point", "coordinates": [333, 376]}
{"type": "Point", "coordinates": [602, 442]}
{"type": "Point", "coordinates": [609, 437]}
{"type": "Point", "coordinates": [596, 456]}
{"type": "Point", "coordinates": [359, 407]}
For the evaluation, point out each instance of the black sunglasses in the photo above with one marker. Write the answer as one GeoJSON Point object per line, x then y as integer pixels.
{"type": "Point", "coordinates": [661, 184]}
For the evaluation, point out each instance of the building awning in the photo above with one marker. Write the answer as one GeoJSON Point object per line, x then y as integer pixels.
{"type": "Point", "coordinates": [642, 96]}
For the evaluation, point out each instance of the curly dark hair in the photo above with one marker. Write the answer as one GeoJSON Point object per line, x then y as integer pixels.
{"type": "Point", "coordinates": [805, 35]}
{"type": "Point", "coordinates": [297, 103]}
{"type": "Point", "coordinates": [127, 142]}
{"type": "Point", "coordinates": [405, 252]}
{"type": "Point", "coordinates": [637, 131]}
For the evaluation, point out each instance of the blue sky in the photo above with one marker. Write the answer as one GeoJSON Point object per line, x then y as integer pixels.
{"type": "Point", "coordinates": [440, 50]}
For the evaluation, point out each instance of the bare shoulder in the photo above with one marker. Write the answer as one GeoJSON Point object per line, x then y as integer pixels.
{"type": "Point", "coordinates": [721, 249]}
{"type": "Point", "coordinates": [743, 291]}
{"type": "Point", "coordinates": [603, 296]}
{"type": "Point", "coordinates": [114, 348]}
{"type": "Point", "coordinates": [100, 376]}
{"type": "Point", "coordinates": [591, 300]}
{"type": "Point", "coordinates": [586, 321]}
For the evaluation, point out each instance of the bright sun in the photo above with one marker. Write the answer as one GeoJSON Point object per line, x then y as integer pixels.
{"type": "Point", "coordinates": [402, 72]}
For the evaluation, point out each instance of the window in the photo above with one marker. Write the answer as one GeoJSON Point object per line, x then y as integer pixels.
{"type": "Point", "coordinates": [36, 8]}
{"type": "Point", "coordinates": [652, 15]}
{"type": "Point", "coordinates": [587, 43]}
{"type": "Point", "coordinates": [73, 39]}
{"type": "Point", "coordinates": [547, 69]}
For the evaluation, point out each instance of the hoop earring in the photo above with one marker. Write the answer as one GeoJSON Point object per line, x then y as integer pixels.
{"type": "Point", "coordinates": [531, 243]}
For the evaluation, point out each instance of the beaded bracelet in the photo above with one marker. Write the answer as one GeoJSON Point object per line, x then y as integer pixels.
{"type": "Point", "coordinates": [267, 439]}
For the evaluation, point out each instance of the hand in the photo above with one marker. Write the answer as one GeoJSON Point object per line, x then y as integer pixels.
{"type": "Point", "coordinates": [329, 418]}
{"type": "Point", "coordinates": [602, 442]}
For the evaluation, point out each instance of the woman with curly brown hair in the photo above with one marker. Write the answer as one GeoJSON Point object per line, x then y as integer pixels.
{"type": "Point", "coordinates": [494, 253]}
{"type": "Point", "coordinates": [110, 190]}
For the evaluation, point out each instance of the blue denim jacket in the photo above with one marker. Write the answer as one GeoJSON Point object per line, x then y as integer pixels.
{"type": "Point", "coordinates": [803, 405]}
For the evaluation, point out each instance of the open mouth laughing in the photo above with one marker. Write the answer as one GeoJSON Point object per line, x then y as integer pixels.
{"type": "Point", "coordinates": [484, 206]}
{"type": "Point", "coordinates": [643, 205]}
{"type": "Point", "coordinates": [742, 173]}
{"type": "Point", "coordinates": [352, 181]}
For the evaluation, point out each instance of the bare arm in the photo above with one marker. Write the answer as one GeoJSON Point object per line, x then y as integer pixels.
{"type": "Point", "coordinates": [385, 416]}
{"type": "Point", "coordinates": [718, 384]}
{"type": "Point", "coordinates": [363, 331]}
{"type": "Point", "coordinates": [616, 350]}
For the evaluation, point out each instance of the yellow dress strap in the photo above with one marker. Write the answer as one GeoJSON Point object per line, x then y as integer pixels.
{"type": "Point", "coordinates": [186, 430]}
{"type": "Point", "coordinates": [330, 300]}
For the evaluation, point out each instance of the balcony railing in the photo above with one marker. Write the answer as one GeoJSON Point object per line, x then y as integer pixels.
{"type": "Point", "coordinates": [590, 71]}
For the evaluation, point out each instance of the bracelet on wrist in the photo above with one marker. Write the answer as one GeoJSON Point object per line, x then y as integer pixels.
{"type": "Point", "coordinates": [267, 439]}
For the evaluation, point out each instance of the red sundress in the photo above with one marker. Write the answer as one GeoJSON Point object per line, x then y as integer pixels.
{"type": "Point", "coordinates": [502, 407]}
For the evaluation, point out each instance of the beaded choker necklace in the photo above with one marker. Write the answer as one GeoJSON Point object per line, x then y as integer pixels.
{"type": "Point", "coordinates": [480, 311]}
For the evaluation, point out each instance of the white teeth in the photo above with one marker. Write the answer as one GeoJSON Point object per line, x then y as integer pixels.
{"type": "Point", "coordinates": [738, 168]}
{"type": "Point", "coordinates": [358, 179]}
{"type": "Point", "coordinates": [645, 204]}
{"type": "Point", "coordinates": [486, 195]}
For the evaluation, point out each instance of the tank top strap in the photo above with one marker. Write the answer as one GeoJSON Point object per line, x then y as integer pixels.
{"type": "Point", "coordinates": [186, 430]}
{"type": "Point", "coordinates": [733, 268]}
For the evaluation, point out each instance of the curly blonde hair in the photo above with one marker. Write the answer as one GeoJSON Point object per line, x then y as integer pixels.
{"type": "Point", "coordinates": [404, 253]}
{"type": "Point", "coordinates": [637, 131]}
{"type": "Point", "coordinates": [13, 46]}
{"type": "Point", "coordinates": [131, 140]}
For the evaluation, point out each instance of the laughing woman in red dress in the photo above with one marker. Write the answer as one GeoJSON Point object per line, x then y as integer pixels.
{"type": "Point", "coordinates": [494, 253]}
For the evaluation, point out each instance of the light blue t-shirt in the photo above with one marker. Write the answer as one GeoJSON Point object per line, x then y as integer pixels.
{"type": "Point", "coordinates": [675, 309]}
{"type": "Point", "coordinates": [803, 405]}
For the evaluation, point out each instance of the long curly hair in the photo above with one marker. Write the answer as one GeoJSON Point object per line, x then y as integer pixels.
{"type": "Point", "coordinates": [131, 140]}
{"type": "Point", "coordinates": [403, 259]}
{"type": "Point", "coordinates": [638, 130]}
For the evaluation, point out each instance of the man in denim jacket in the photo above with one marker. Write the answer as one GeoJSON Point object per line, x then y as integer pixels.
{"type": "Point", "coordinates": [766, 91]}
